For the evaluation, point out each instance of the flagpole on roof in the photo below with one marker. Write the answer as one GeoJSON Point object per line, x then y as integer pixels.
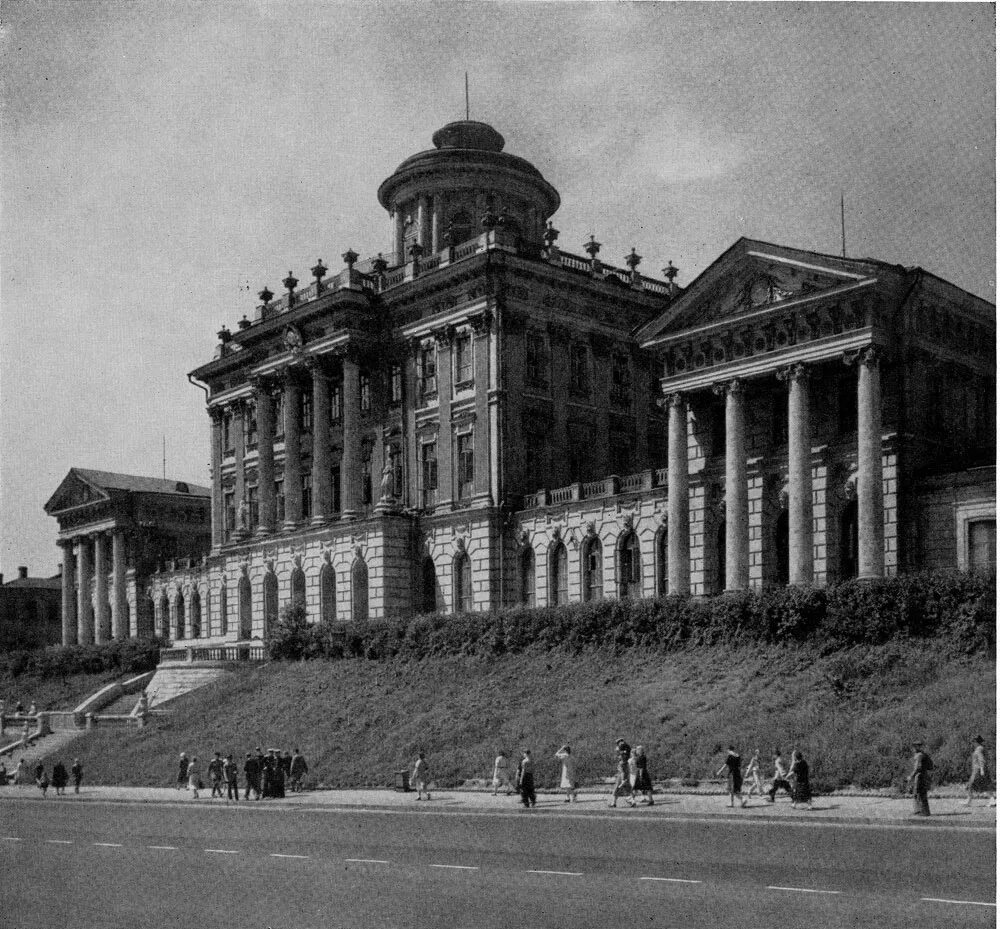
{"type": "Point", "coordinates": [843, 228]}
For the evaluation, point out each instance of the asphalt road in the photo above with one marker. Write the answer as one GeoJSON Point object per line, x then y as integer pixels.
{"type": "Point", "coordinates": [126, 866]}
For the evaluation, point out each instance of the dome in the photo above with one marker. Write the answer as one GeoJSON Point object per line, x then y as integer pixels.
{"type": "Point", "coordinates": [467, 133]}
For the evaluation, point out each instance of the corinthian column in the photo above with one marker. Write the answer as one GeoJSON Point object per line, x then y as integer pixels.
{"type": "Point", "coordinates": [265, 456]}
{"type": "Point", "coordinates": [678, 509]}
{"type": "Point", "coordinates": [68, 594]}
{"type": "Point", "coordinates": [481, 493]}
{"type": "Point", "coordinates": [800, 517]}
{"type": "Point", "coordinates": [293, 451]}
{"type": "Point", "coordinates": [444, 338]}
{"type": "Point", "coordinates": [321, 489]}
{"type": "Point", "coordinates": [119, 621]}
{"type": "Point", "coordinates": [84, 604]}
{"type": "Point", "coordinates": [215, 443]}
{"type": "Point", "coordinates": [102, 630]}
{"type": "Point", "coordinates": [871, 527]}
{"type": "Point", "coordinates": [737, 506]}
{"type": "Point", "coordinates": [350, 465]}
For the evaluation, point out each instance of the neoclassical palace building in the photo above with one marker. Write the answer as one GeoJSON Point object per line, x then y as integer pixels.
{"type": "Point", "coordinates": [478, 419]}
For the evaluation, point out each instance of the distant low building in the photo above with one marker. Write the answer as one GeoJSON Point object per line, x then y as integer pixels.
{"type": "Point", "coordinates": [116, 530]}
{"type": "Point", "coordinates": [29, 611]}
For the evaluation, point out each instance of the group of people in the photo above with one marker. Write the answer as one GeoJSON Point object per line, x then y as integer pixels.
{"type": "Point", "coordinates": [265, 776]}
{"type": "Point", "coordinates": [59, 780]}
{"type": "Point", "coordinates": [743, 783]}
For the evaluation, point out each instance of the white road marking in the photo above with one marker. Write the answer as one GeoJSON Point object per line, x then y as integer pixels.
{"type": "Point", "coordinates": [805, 890]}
{"type": "Point", "coordinates": [11, 838]}
{"type": "Point", "coordinates": [58, 841]}
{"type": "Point", "coordinates": [108, 844]}
{"type": "Point", "coordinates": [456, 867]}
{"type": "Point", "coordinates": [962, 902]}
{"type": "Point", "coordinates": [276, 855]}
{"type": "Point", "coordinates": [223, 851]}
{"type": "Point", "coordinates": [367, 860]}
{"type": "Point", "coordinates": [163, 848]}
{"type": "Point", "coordinates": [563, 873]}
{"type": "Point", "coordinates": [672, 880]}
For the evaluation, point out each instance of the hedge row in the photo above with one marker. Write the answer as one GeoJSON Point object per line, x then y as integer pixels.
{"type": "Point", "coordinates": [128, 657]}
{"type": "Point", "coordinates": [956, 607]}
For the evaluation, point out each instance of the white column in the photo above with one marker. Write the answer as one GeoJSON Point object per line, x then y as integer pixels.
{"type": "Point", "coordinates": [119, 620]}
{"type": "Point", "coordinates": [871, 526]}
{"type": "Point", "coordinates": [678, 508]}
{"type": "Point", "coordinates": [800, 516]}
{"type": "Point", "coordinates": [102, 632]}
{"type": "Point", "coordinates": [69, 630]}
{"type": "Point", "coordinates": [737, 504]}
{"type": "Point", "coordinates": [84, 604]}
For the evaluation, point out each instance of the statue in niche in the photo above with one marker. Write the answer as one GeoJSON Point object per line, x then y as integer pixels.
{"type": "Point", "coordinates": [387, 495]}
{"type": "Point", "coordinates": [243, 515]}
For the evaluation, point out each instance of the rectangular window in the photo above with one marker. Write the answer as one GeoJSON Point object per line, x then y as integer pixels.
{"type": "Point", "coordinates": [279, 500]}
{"type": "Point", "coordinates": [463, 359]}
{"type": "Point", "coordinates": [983, 546]}
{"type": "Point", "coordinates": [396, 384]}
{"type": "Point", "coordinates": [307, 489]}
{"type": "Point", "coordinates": [306, 411]}
{"type": "Point", "coordinates": [250, 427]}
{"type": "Point", "coordinates": [229, 508]}
{"type": "Point", "coordinates": [365, 381]}
{"type": "Point", "coordinates": [621, 381]}
{"type": "Point", "coordinates": [228, 443]}
{"type": "Point", "coordinates": [335, 479]}
{"type": "Point", "coordinates": [621, 453]}
{"type": "Point", "coordinates": [537, 361]}
{"type": "Point", "coordinates": [537, 443]}
{"type": "Point", "coordinates": [466, 465]}
{"type": "Point", "coordinates": [579, 371]}
{"type": "Point", "coordinates": [580, 449]}
{"type": "Point", "coordinates": [337, 403]}
{"type": "Point", "coordinates": [428, 371]}
{"type": "Point", "coordinates": [253, 507]}
{"type": "Point", "coordinates": [428, 474]}
{"type": "Point", "coordinates": [366, 476]}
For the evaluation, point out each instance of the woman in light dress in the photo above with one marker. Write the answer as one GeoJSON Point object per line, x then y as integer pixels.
{"type": "Point", "coordinates": [568, 780]}
{"type": "Point", "coordinates": [642, 783]}
{"type": "Point", "coordinates": [751, 777]}
{"type": "Point", "coordinates": [193, 779]}
{"type": "Point", "coordinates": [501, 773]}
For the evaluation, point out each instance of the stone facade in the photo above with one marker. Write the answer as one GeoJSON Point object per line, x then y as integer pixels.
{"type": "Point", "coordinates": [29, 611]}
{"type": "Point", "coordinates": [482, 419]}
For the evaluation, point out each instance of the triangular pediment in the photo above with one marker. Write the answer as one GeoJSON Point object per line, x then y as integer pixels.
{"type": "Point", "coordinates": [74, 491]}
{"type": "Point", "coordinates": [752, 276]}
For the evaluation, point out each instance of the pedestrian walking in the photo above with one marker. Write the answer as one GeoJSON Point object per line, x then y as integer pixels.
{"type": "Point", "coordinates": [421, 777]}
{"type": "Point", "coordinates": [278, 778]}
{"type": "Point", "coordinates": [799, 776]}
{"type": "Point", "coordinates": [194, 781]}
{"type": "Point", "coordinates": [920, 779]}
{"type": "Point", "coordinates": [567, 781]}
{"type": "Point", "coordinates": [623, 751]}
{"type": "Point", "coordinates": [182, 771]}
{"type": "Point", "coordinates": [59, 778]}
{"type": "Point", "coordinates": [780, 778]}
{"type": "Point", "coordinates": [215, 775]}
{"type": "Point", "coordinates": [501, 773]}
{"type": "Point", "coordinates": [77, 772]}
{"type": "Point", "coordinates": [979, 776]}
{"type": "Point", "coordinates": [286, 764]}
{"type": "Point", "coordinates": [751, 776]}
{"type": "Point", "coordinates": [643, 782]}
{"type": "Point", "coordinates": [43, 781]}
{"type": "Point", "coordinates": [267, 776]}
{"type": "Point", "coordinates": [32, 711]}
{"type": "Point", "coordinates": [3, 774]}
{"type": "Point", "coordinates": [526, 779]}
{"type": "Point", "coordinates": [19, 708]}
{"type": "Point", "coordinates": [230, 774]}
{"type": "Point", "coordinates": [733, 766]}
{"type": "Point", "coordinates": [251, 777]}
{"type": "Point", "coordinates": [297, 770]}
{"type": "Point", "coordinates": [39, 771]}
{"type": "Point", "coordinates": [20, 772]}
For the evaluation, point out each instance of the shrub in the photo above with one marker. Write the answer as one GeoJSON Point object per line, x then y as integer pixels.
{"type": "Point", "coordinates": [291, 637]}
{"type": "Point", "coordinates": [132, 656]}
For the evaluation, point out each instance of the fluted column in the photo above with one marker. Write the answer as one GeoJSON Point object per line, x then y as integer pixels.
{"type": "Point", "coordinates": [69, 630]}
{"type": "Point", "coordinates": [322, 502]}
{"type": "Point", "coordinates": [216, 415]}
{"type": "Point", "coordinates": [102, 630]}
{"type": "Point", "coordinates": [265, 456]}
{"type": "Point", "coordinates": [737, 505]}
{"type": "Point", "coordinates": [424, 223]}
{"type": "Point", "coordinates": [119, 621]}
{"type": "Point", "coordinates": [482, 327]}
{"type": "Point", "coordinates": [350, 464]}
{"type": "Point", "coordinates": [293, 451]}
{"type": "Point", "coordinates": [84, 603]}
{"type": "Point", "coordinates": [436, 223]}
{"type": "Point", "coordinates": [800, 515]}
{"type": "Point", "coordinates": [678, 508]}
{"type": "Point", "coordinates": [871, 527]}
{"type": "Point", "coordinates": [238, 410]}
{"type": "Point", "coordinates": [445, 439]}
{"type": "Point", "coordinates": [397, 236]}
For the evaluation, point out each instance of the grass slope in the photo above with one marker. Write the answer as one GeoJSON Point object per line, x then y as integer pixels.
{"type": "Point", "coordinates": [853, 713]}
{"type": "Point", "coordinates": [52, 693]}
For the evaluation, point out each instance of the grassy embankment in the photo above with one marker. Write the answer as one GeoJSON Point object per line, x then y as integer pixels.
{"type": "Point", "coordinates": [64, 692]}
{"type": "Point", "coordinates": [853, 713]}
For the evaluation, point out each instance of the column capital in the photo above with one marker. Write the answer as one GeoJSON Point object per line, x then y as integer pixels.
{"type": "Point", "coordinates": [795, 372]}
{"type": "Point", "coordinates": [316, 366]}
{"type": "Point", "coordinates": [482, 322]}
{"type": "Point", "coordinates": [735, 387]}
{"type": "Point", "coordinates": [349, 351]}
{"type": "Point", "coordinates": [869, 356]}
{"type": "Point", "coordinates": [676, 399]}
{"type": "Point", "coordinates": [217, 413]}
{"type": "Point", "coordinates": [444, 335]}
{"type": "Point", "coordinates": [261, 384]}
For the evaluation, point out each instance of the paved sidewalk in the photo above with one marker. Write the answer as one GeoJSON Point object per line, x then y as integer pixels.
{"type": "Point", "coordinates": [950, 811]}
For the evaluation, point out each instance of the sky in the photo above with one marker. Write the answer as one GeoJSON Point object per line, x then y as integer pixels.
{"type": "Point", "coordinates": [162, 161]}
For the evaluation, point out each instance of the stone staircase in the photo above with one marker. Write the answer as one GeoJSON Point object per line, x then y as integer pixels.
{"type": "Point", "coordinates": [55, 746]}
{"type": "Point", "coordinates": [173, 680]}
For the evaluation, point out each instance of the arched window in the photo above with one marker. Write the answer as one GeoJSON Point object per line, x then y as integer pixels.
{"type": "Point", "coordinates": [298, 585]}
{"type": "Point", "coordinates": [720, 558]}
{"type": "Point", "coordinates": [849, 541]}
{"type": "Point", "coordinates": [195, 614]}
{"type": "Point", "coordinates": [428, 586]}
{"type": "Point", "coordinates": [270, 600]}
{"type": "Point", "coordinates": [359, 591]}
{"type": "Point", "coordinates": [327, 594]}
{"type": "Point", "coordinates": [558, 581]}
{"type": "Point", "coordinates": [630, 568]}
{"type": "Point", "coordinates": [528, 577]}
{"type": "Point", "coordinates": [592, 557]}
{"type": "Point", "coordinates": [146, 619]}
{"type": "Point", "coordinates": [246, 608]}
{"type": "Point", "coordinates": [662, 580]}
{"type": "Point", "coordinates": [223, 610]}
{"type": "Point", "coordinates": [163, 621]}
{"type": "Point", "coordinates": [781, 548]}
{"type": "Point", "coordinates": [462, 570]}
{"type": "Point", "coordinates": [179, 616]}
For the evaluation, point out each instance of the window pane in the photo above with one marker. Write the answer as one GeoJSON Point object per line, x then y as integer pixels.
{"type": "Point", "coordinates": [983, 546]}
